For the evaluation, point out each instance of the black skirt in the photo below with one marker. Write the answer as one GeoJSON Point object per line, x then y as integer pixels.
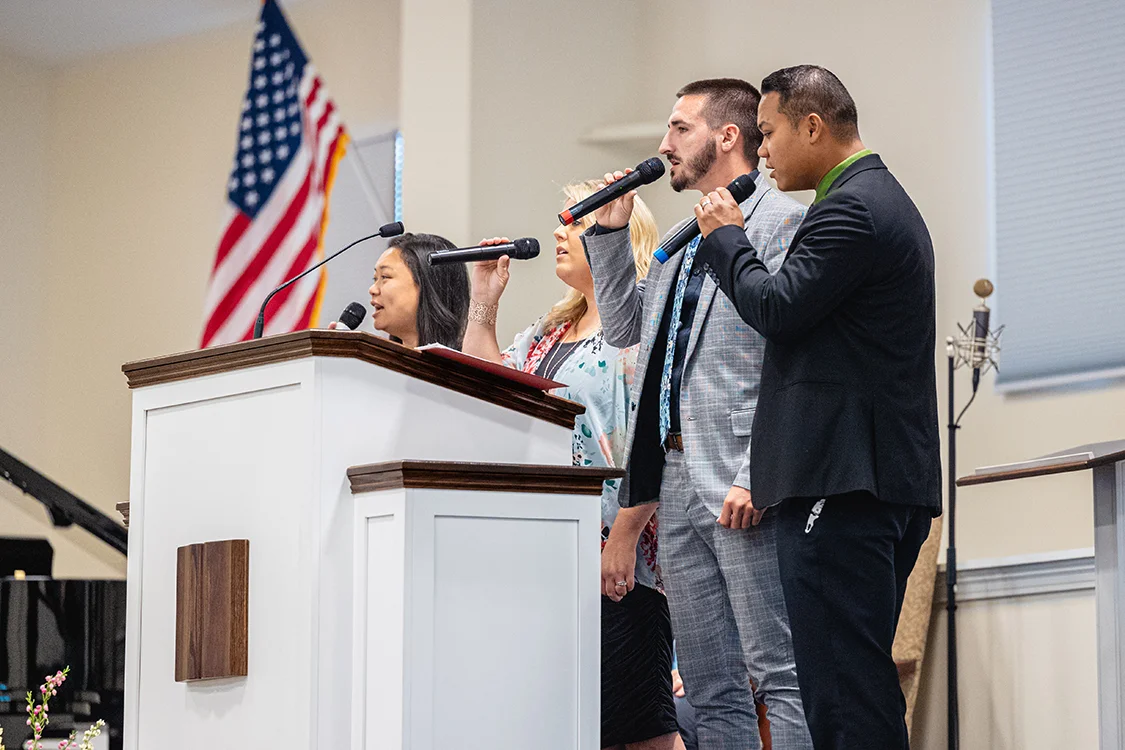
{"type": "Point", "coordinates": [637, 701]}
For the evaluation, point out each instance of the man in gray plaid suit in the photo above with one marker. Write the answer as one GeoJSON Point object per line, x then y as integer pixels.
{"type": "Point", "coordinates": [696, 386]}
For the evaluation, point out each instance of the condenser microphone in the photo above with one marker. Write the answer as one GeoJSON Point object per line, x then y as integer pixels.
{"type": "Point", "coordinates": [393, 229]}
{"type": "Point", "coordinates": [741, 188]}
{"type": "Point", "coordinates": [976, 346]}
{"type": "Point", "coordinates": [351, 317]}
{"type": "Point", "coordinates": [524, 248]}
{"type": "Point", "coordinates": [649, 170]}
{"type": "Point", "coordinates": [979, 353]}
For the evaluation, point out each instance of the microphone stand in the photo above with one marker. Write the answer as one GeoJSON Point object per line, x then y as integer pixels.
{"type": "Point", "coordinates": [976, 347]}
{"type": "Point", "coordinates": [387, 230]}
{"type": "Point", "coordinates": [953, 718]}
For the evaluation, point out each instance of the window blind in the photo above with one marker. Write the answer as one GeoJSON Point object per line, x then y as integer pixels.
{"type": "Point", "coordinates": [1059, 189]}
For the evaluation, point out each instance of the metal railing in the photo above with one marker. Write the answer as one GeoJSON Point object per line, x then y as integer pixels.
{"type": "Point", "coordinates": [65, 507]}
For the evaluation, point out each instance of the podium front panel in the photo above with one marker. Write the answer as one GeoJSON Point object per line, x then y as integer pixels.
{"type": "Point", "coordinates": [486, 604]}
{"type": "Point", "coordinates": [261, 453]}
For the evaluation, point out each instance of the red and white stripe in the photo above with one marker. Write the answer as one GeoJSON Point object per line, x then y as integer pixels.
{"type": "Point", "coordinates": [256, 256]}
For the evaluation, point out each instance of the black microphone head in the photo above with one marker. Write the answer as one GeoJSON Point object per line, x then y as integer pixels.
{"type": "Point", "coordinates": [353, 315]}
{"type": "Point", "coordinates": [741, 187]}
{"type": "Point", "coordinates": [651, 170]}
{"type": "Point", "coordinates": [394, 229]}
{"type": "Point", "coordinates": [525, 248]}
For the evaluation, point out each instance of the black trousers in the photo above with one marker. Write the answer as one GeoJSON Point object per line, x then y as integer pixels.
{"type": "Point", "coordinates": [844, 561]}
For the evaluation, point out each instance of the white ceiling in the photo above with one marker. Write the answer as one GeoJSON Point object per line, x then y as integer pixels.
{"type": "Point", "coordinates": [60, 31]}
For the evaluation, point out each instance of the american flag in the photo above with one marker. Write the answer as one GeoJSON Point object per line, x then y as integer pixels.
{"type": "Point", "coordinates": [290, 140]}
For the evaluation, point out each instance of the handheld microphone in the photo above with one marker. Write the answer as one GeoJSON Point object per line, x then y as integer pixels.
{"type": "Point", "coordinates": [524, 248]}
{"type": "Point", "coordinates": [393, 229]}
{"type": "Point", "coordinates": [649, 170]}
{"type": "Point", "coordinates": [352, 316]}
{"type": "Point", "coordinates": [741, 188]}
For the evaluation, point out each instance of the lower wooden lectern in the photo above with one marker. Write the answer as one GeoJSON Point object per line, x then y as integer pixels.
{"type": "Point", "coordinates": [421, 559]}
{"type": "Point", "coordinates": [1106, 461]}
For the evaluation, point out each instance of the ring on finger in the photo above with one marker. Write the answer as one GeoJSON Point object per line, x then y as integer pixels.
{"type": "Point", "coordinates": [705, 202]}
{"type": "Point", "coordinates": [622, 584]}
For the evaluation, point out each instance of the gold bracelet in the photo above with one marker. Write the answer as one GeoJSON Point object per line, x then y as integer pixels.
{"type": "Point", "coordinates": [482, 314]}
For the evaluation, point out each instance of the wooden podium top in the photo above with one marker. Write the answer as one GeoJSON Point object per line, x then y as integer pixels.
{"type": "Point", "coordinates": [1073, 459]}
{"type": "Point", "coordinates": [359, 345]}
{"type": "Point", "coordinates": [468, 475]}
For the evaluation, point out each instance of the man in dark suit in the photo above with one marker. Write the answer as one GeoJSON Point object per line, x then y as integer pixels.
{"type": "Point", "coordinates": [845, 439]}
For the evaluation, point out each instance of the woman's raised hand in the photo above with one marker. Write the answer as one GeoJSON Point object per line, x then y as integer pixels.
{"type": "Point", "coordinates": [490, 277]}
{"type": "Point", "coordinates": [616, 213]}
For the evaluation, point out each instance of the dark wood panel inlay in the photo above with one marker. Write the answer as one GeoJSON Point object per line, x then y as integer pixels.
{"type": "Point", "coordinates": [212, 607]}
{"type": "Point", "coordinates": [1041, 471]}
{"type": "Point", "coordinates": [356, 345]}
{"type": "Point", "coordinates": [464, 475]}
{"type": "Point", "coordinates": [189, 612]}
{"type": "Point", "coordinates": [226, 568]}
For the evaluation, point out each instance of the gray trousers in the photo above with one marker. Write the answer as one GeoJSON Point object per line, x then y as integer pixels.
{"type": "Point", "coordinates": [729, 621]}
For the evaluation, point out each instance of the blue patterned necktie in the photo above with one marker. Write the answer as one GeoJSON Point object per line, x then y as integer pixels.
{"type": "Point", "coordinates": [670, 349]}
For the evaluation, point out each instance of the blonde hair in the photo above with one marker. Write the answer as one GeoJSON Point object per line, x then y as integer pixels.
{"type": "Point", "coordinates": [643, 235]}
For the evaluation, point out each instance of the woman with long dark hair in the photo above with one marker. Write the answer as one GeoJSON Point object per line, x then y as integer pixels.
{"type": "Point", "coordinates": [416, 303]}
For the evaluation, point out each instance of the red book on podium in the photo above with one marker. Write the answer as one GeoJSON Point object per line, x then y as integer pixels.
{"type": "Point", "coordinates": [495, 368]}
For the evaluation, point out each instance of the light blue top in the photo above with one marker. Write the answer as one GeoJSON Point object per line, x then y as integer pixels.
{"type": "Point", "coordinates": [600, 377]}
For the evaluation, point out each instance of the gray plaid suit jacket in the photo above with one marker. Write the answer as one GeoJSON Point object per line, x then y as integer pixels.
{"type": "Point", "coordinates": [723, 364]}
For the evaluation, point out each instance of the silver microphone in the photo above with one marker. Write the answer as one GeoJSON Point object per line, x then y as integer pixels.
{"type": "Point", "coordinates": [980, 355]}
{"type": "Point", "coordinates": [977, 346]}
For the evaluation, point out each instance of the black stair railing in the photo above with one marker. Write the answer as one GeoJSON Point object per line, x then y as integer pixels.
{"type": "Point", "coordinates": [65, 507]}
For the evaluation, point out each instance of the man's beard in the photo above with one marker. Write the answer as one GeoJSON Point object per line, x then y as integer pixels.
{"type": "Point", "coordinates": [694, 168]}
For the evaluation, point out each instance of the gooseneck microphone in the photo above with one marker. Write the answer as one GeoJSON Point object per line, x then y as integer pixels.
{"type": "Point", "coordinates": [393, 229]}
{"type": "Point", "coordinates": [352, 316]}
{"type": "Point", "coordinates": [649, 170]}
{"type": "Point", "coordinates": [741, 188]}
{"type": "Point", "coordinates": [524, 248]}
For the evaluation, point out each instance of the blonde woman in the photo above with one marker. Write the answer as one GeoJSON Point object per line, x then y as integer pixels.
{"type": "Point", "coordinates": [566, 344]}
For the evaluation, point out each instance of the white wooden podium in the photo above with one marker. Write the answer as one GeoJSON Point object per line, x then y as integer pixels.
{"type": "Point", "coordinates": [451, 602]}
{"type": "Point", "coordinates": [1106, 461]}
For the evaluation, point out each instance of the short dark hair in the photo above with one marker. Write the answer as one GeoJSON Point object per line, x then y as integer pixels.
{"type": "Point", "coordinates": [730, 100]}
{"type": "Point", "coordinates": [805, 89]}
{"type": "Point", "coordinates": [443, 291]}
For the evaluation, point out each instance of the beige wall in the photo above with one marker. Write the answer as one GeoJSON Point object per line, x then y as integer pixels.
{"type": "Point", "coordinates": [23, 266]}
{"type": "Point", "coordinates": [435, 113]}
{"type": "Point", "coordinates": [1027, 675]}
{"type": "Point", "coordinates": [26, 310]}
{"type": "Point", "coordinates": [542, 76]}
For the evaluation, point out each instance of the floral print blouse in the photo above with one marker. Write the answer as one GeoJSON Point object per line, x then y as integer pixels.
{"type": "Point", "coordinates": [600, 377]}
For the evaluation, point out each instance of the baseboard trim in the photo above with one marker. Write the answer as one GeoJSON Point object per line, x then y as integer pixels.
{"type": "Point", "coordinates": [1057, 572]}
